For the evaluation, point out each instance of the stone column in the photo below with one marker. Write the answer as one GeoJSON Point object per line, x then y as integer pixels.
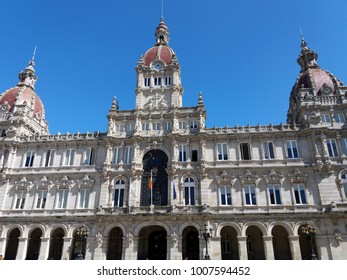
{"type": "Point", "coordinates": [22, 248]}
{"type": "Point", "coordinates": [130, 244]}
{"type": "Point", "coordinates": [45, 241]}
{"type": "Point", "coordinates": [242, 247]}
{"type": "Point", "coordinates": [174, 242]}
{"type": "Point", "coordinates": [3, 242]}
{"type": "Point", "coordinates": [268, 248]}
{"type": "Point", "coordinates": [294, 247]}
{"type": "Point", "coordinates": [66, 252]}
{"type": "Point", "coordinates": [215, 246]}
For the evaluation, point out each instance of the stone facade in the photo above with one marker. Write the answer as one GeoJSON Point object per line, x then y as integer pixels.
{"type": "Point", "coordinates": [159, 184]}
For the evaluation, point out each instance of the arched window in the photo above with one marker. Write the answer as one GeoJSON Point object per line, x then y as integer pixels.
{"type": "Point", "coordinates": [119, 193]}
{"type": "Point", "coordinates": [344, 184]}
{"type": "Point", "coordinates": [189, 191]}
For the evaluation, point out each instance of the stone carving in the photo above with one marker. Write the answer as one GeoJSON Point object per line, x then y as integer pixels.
{"type": "Point", "coordinates": [338, 238]}
{"type": "Point", "coordinates": [98, 240]}
{"type": "Point", "coordinates": [174, 239]}
{"type": "Point", "coordinates": [130, 238]}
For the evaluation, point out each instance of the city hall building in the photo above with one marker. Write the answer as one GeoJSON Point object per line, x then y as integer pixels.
{"type": "Point", "coordinates": [159, 184]}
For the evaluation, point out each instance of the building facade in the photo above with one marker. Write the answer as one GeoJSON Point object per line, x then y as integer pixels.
{"type": "Point", "coordinates": [159, 184]}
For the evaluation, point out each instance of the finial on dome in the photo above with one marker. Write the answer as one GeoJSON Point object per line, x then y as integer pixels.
{"type": "Point", "coordinates": [162, 33]}
{"type": "Point", "coordinates": [28, 77]}
{"type": "Point", "coordinates": [307, 58]}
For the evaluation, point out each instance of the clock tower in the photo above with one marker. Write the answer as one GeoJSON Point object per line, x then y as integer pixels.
{"type": "Point", "coordinates": [158, 75]}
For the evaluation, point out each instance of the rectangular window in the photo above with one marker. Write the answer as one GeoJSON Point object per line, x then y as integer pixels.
{"type": "Point", "coordinates": [41, 199]}
{"type": "Point", "coordinates": [292, 149]}
{"type": "Point", "coordinates": [157, 81]}
{"type": "Point", "coordinates": [62, 198]}
{"type": "Point", "coordinates": [299, 194]}
{"type": "Point", "coordinates": [250, 195]}
{"type": "Point", "coordinates": [147, 82]}
{"type": "Point", "coordinates": [225, 195]}
{"type": "Point", "coordinates": [156, 126]}
{"type": "Point", "coordinates": [182, 152]}
{"type": "Point", "coordinates": [189, 195]}
{"type": "Point", "coordinates": [128, 155]}
{"type": "Point", "coordinates": [89, 156]}
{"type": "Point", "coordinates": [167, 126]}
{"type": "Point", "coordinates": [325, 118]}
{"type": "Point", "coordinates": [332, 149]}
{"type": "Point", "coordinates": [168, 80]}
{"type": "Point", "coordinates": [69, 157]}
{"type": "Point", "coordinates": [182, 125]}
{"type": "Point", "coordinates": [344, 146]}
{"type": "Point", "coordinates": [340, 118]}
{"type": "Point", "coordinates": [119, 197]}
{"type": "Point", "coordinates": [193, 124]}
{"type": "Point", "coordinates": [194, 155]}
{"type": "Point", "coordinates": [345, 189]}
{"type": "Point", "coordinates": [129, 127]}
{"type": "Point", "coordinates": [84, 198]}
{"type": "Point", "coordinates": [245, 151]}
{"type": "Point", "coordinates": [274, 194]}
{"type": "Point", "coordinates": [145, 126]}
{"type": "Point", "coordinates": [20, 199]}
{"type": "Point", "coordinates": [118, 127]}
{"type": "Point", "coordinates": [116, 155]}
{"type": "Point", "coordinates": [49, 161]}
{"type": "Point", "coordinates": [29, 159]}
{"type": "Point", "coordinates": [268, 149]}
{"type": "Point", "coordinates": [222, 151]}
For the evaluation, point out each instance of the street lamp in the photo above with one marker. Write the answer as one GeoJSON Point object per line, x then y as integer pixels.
{"type": "Point", "coordinates": [82, 234]}
{"type": "Point", "coordinates": [206, 233]}
{"type": "Point", "coordinates": [310, 232]}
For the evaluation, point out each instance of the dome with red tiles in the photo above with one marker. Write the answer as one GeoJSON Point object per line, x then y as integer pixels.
{"type": "Point", "coordinates": [24, 94]}
{"type": "Point", "coordinates": [161, 51]}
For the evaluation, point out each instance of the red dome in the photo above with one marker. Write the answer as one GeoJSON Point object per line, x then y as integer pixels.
{"type": "Point", "coordinates": [315, 78]}
{"type": "Point", "coordinates": [163, 53]}
{"type": "Point", "coordinates": [19, 95]}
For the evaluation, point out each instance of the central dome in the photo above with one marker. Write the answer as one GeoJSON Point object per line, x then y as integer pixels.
{"type": "Point", "coordinates": [163, 53]}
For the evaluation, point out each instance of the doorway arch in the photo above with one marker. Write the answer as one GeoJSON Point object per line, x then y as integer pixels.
{"type": "Point", "coordinates": [152, 243]}
{"type": "Point", "coordinates": [229, 244]}
{"type": "Point", "coordinates": [12, 245]}
{"type": "Point", "coordinates": [115, 244]}
{"type": "Point", "coordinates": [34, 244]}
{"type": "Point", "coordinates": [190, 244]}
{"type": "Point", "coordinates": [154, 166]}
{"type": "Point", "coordinates": [280, 243]}
{"type": "Point", "coordinates": [56, 244]}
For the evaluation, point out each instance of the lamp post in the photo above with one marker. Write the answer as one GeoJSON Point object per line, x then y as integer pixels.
{"type": "Point", "coordinates": [206, 234]}
{"type": "Point", "coordinates": [82, 234]}
{"type": "Point", "coordinates": [310, 233]}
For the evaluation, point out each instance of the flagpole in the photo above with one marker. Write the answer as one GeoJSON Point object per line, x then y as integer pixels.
{"type": "Point", "coordinates": [151, 189]}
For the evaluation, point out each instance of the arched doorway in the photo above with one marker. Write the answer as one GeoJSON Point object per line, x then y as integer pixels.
{"type": "Point", "coordinates": [281, 243]}
{"type": "Point", "coordinates": [56, 244]}
{"type": "Point", "coordinates": [34, 245]}
{"type": "Point", "coordinates": [229, 244]}
{"type": "Point", "coordinates": [152, 243]}
{"type": "Point", "coordinates": [154, 165]}
{"type": "Point", "coordinates": [255, 244]}
{"type": "Point", "coordinates": [12, 245]}
{"type": "Point", "coordinates": [190, 244]}
{"type": "Point", "coordinates": [115, 244]}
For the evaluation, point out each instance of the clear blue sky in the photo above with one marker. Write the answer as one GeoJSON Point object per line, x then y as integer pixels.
{"type": "Point", "coordinates": [240, 54]}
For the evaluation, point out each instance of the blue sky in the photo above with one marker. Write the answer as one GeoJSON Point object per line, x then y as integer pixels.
{"type": "Point", "coordinates": [241, 54]}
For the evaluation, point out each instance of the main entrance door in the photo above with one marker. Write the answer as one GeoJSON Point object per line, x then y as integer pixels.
{"type": "Point", "coordinates": [154, 165]}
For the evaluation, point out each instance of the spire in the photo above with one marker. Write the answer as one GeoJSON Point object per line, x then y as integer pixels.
{"type": "Point", "coordinates": [307, 58]}
{"type": "Point", "coordinates": [28, 77]}
{"type": "Point", "coordinates": [162, 34]}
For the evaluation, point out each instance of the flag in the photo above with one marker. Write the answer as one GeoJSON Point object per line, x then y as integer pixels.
{"type": "Point", "coordinates": [150, 184]}
{"type": "Point", "coordinates": [174, 190]}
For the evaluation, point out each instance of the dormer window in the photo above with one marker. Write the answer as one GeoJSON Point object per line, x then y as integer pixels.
{"type": "Point", "coordinates": [325, 118]}
{"type": "Point", "coordinates": [147, 82]}
{"type": "Point", "coordinates": [157, 81]}
{"type": "Point", "coordinates": [168, 81]}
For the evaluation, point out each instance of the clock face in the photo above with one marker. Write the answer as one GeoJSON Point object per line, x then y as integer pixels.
{"type": "Point", "coordinates": [157, 65]}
